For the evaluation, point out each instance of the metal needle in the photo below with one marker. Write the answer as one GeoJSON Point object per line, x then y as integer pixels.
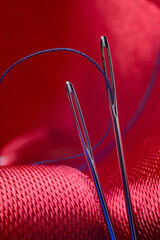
{"type": "Point", "coordinates": [85, 141]}
{"type": "Point", "coordinates": [115, 120]}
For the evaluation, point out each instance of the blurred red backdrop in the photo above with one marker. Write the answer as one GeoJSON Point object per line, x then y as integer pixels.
{"type": "Point", "coordinates": [36, 122]}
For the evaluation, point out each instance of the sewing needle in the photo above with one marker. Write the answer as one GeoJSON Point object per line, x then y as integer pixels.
{"type": "Point", "coordinates": [115, 120]}
{"type": "Point", "coordinates": [85, 141]}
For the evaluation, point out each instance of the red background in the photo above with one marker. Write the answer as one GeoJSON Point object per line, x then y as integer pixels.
{"type": "Point", "coordinates": [36, 122]}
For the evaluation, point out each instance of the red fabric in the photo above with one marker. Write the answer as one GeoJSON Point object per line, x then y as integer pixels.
{"type": "Point", "coordinates": [49, 202]}
{"type": "Point", "coordinates": [36, 123]}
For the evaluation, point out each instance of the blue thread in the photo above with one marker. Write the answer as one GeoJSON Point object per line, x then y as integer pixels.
{"type": "Point", "coordinates": [93, 62]}
{"type": "Point", "coordinates": [104, 136]}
